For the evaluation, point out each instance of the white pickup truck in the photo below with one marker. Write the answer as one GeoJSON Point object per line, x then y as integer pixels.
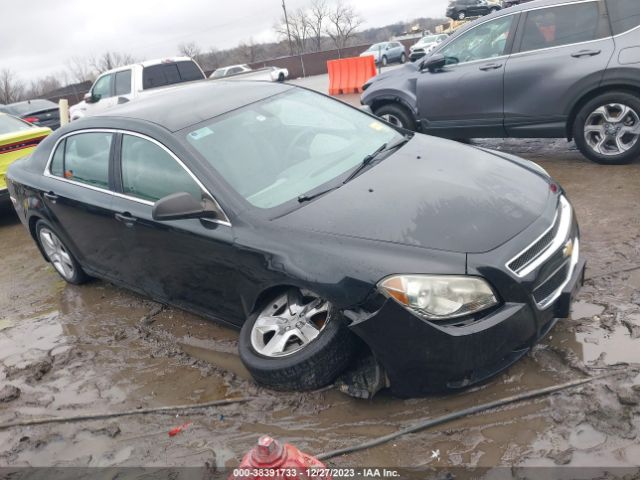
{"type": "Point", "coordinates": [123, 84]}
{"type": "Point", "coordinates": [244, 72]}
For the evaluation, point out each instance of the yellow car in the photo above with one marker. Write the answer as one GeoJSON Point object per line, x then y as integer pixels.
{"type": "Point", "coordinates": [17, 139]}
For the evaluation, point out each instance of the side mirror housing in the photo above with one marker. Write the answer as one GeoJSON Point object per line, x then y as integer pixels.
{"type": "Point", "coordinates": [91, 98]}
{"type": "Point", "coordinates": [180, 206]}
{"type": "Point", "coordinates": [434, 63]}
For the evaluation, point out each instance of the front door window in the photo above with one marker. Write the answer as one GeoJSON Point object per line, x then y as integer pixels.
{"type": "Point", "coordinates": [484, 42]}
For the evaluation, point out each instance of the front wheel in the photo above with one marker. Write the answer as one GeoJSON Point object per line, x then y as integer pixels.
{"type": "Point", "coordinates": [385, 61]}
{"type": "Point", "coordinates": [281, 77]}
{"type": "Point", "coordinates": [493, 10]}
{"type": "Point", "coordinates": [397, 115]}
{"type": "Point", "coordinates": [296, 341]}
{"type": "Point", "coordinates": [607, 129]}
{"type": "Point", "coordinates": [462, 15]}
{"type": "Point", "coordinates": [59, 255]}
{"type": "Point", "coordinates": [403, 58]}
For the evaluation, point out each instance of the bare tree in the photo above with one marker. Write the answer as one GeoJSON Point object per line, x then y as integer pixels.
{"type": "Point", "coordinates": [111, 60]}
{"type": "Point", "coordinates": [80, 69]}
{"type": "Point", "coordinates": [11, 87]}
{"type": "Point", "coordinates": [299, 29]}
{"type": "Point", "coordinates": [317, 17]}
{"type": "Point", "coordinates": [191, 50]}
{"type": "Point", "coordinates": [343, 24]}
{"type": "Point", "coordinates": [40, 87]}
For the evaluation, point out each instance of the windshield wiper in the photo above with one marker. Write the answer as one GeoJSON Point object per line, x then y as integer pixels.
{"type": "Point", "coordinates": [364, 164]}
{"type": "Point", "coordinates": [368, 160]}
{"type": "Point", "coordinates": [308, 198]}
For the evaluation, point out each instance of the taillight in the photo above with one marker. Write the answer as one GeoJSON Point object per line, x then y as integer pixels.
{"type": "Point", "coordinates": [31, 119]}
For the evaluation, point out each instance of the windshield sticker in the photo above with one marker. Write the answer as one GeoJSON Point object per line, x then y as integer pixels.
{"type": "Point", "coordinates": [199, 134]}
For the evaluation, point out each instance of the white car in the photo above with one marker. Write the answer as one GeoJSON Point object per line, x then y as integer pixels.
{"type": "Point", "coordinates": [426, 45]}
{"type": "Point", "coordinates": [245, 72]}
{"type": "Point", "coordinates": [123, 84]}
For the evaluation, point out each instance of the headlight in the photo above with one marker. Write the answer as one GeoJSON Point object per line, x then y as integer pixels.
{"type": "Point", "coordinates": [439, 297]}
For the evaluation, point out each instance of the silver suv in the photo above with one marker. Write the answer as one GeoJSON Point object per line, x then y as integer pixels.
{"type": "Point", "coordinates": [548, 68]}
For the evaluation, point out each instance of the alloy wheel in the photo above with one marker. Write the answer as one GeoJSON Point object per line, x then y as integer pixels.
{"type": "Point", "coordinates": [289, 323]}
{"type": "Point", "coordinates": [612, 129]}
{"type": "Point", "coordinates": [57, 253]}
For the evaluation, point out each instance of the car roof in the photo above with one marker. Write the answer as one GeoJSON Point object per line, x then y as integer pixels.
{"type": "Point", "coordinates": [184, 105]}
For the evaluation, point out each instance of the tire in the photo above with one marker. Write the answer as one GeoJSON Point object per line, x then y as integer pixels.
{"type": "Point", "coordinates": [397, 115]}
{"type": "Point", "coordinates": [461, 15]}
{"type": "Point", "coordinates": [605, 128]}
{"type": "Point", "coordinates": [59, 255]}
{"type": "Point", "coordinates": [281, 77]}
{"type": "Point", "coordinates": [385, 61]}
{"type": "Point", "coordinates": [403, 58]}
{"type": "Point", "coordinates": [298, 367]}
{"type": "Point", "coordinates": [493, 10]}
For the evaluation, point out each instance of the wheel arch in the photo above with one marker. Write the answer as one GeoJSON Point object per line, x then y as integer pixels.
{"type": "Point", "coordinates": [379, 102]}
{"type": "Point", "coordinates": [586, 98]}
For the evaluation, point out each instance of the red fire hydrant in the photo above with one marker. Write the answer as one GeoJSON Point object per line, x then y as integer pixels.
{"type": "Point", "coordinates": [269, 460]}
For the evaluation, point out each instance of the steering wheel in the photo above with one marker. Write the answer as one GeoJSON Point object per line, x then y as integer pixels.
{"type": "Point", "coordinates": [306, 132]}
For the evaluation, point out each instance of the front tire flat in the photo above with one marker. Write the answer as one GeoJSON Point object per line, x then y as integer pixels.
{"type": "Point", "coordinates": [296, 341]}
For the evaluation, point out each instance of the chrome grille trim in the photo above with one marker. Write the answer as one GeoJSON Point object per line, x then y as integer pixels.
{"type": "Point", "coordinates": [553, 286]}
{"type": "Point", "coordinates": [540, 250]}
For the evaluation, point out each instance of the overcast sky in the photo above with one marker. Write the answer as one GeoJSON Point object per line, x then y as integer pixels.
{"type": "Point", "coordinates": [39, 39]}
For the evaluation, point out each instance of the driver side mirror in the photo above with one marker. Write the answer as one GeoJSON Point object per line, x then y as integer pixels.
{"type": "Point", "coordinates": [434, 63]}
{"type": "Point", "coordinates": [181, 206]}
{"type": "Point", "coordinates": [91, 98]}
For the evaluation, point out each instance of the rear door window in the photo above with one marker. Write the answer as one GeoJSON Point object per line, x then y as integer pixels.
{"type": "Point", "coordinates": [150, 173]}
{"type": "Point", "coordinates": [170, 73]}
{"type": "Point", "coordinates": [84, 158]}
{"type": "Point", "coordinates": [123, 82]}
{"type": "Point", "coordinates": [564, 25]}
{"type": "Point", "coordinates": [624, 15]}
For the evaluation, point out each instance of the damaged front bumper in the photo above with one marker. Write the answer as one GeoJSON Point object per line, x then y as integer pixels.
{"type": "Point", "coordinates": [422, 357]}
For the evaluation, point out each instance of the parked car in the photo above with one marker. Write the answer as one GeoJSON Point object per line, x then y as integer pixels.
{"type": "Point", "coordinates": [425, 45]}
{"type": "Point", "coordinates": [386, 52]}
{"type": "Point", "coordinates": [511, 3]}
{"type": "Point", "coordinates": [462, 9]}
{"type": "Point", "coordinates": [245, 72]}
{"type": "Point", "coordinates": [309, 223]}
{"type": "Point", "coordinates": [551, 70]}
{"type": "Point", "coordinates": [17, 139]}
{"type": "Point", "coordinates": [42, 113]}
{"type": "Point", "coordinates": [123, 84]}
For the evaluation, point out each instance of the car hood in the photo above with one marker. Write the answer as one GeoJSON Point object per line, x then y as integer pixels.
{"type": "Point", "coordinates": [436, 194]}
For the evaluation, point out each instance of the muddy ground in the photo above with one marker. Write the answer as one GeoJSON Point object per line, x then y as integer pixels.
{"type": "Point", "coordinates": [67, 350]}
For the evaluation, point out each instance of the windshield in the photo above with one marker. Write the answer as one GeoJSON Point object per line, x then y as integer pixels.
{"type": "Point", "coordinates": [278, 149]}
{"type": "Point", "coordinates": [32, 106]}
{"type": "Point", "coordinates": [430, 39]}
{"type": "Point", "coordinates": [12, 125]}
{"type": "Point", "coordinates": [377, 46]}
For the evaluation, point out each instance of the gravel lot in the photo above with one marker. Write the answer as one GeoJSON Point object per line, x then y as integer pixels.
{"type": "Point", "coordinates": [73, 350]}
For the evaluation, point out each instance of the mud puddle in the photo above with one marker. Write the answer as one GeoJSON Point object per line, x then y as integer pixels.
{"type": "Point", "coordinates": [72, 350]}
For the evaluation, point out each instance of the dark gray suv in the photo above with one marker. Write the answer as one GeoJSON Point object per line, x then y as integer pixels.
{"type": "Point", "coordinates": [548, 68]}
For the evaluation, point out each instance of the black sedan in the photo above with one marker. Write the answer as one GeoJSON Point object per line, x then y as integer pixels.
{"type": "Point", "coordinates": [42, 113]}
{"type": "Point", "coordinates": [314, 227]}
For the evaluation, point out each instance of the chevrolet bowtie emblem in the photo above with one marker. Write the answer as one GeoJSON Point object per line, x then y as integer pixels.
{"type": "Point", "coordinates": [568, 249]}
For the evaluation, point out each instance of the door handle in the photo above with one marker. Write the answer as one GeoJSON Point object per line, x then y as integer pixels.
{"type": "Point", "coordinates": [491, 66]}
{"type": "Point", "coordinates": [51, 196]}
{"type": "Point", "coordinates": [126, 218]}
{"type": "Point", "coordinates": [586, 53]}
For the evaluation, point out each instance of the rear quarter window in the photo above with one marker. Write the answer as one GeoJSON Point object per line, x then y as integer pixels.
{"type": "Point", "coordinates": [624, 15]}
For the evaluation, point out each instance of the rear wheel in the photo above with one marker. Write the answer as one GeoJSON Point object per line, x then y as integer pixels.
{"type": "Point", "coordinates": [59, 255]}
{"type": "Point", "coordinates": [397, 115]}
{"type": "Point", "coordinates": [296, 341]}
{"type": "Point", "coordinates": [385, 61]}
{"type": "Point", "coordinates": [607, 129]}
{"type": "Point", "coordinates": [403, 58]}
{"type": "Point", "coordinates": [493, 10]}
{"type": "Point", "coordinates": [281, 77]}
